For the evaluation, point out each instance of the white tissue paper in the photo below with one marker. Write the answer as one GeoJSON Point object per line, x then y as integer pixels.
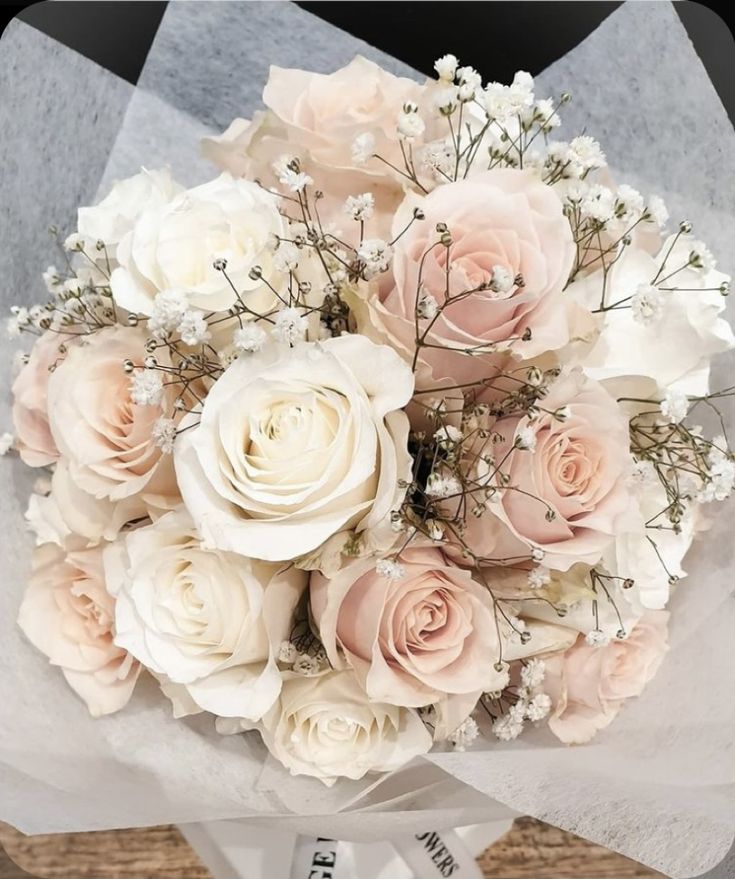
{"type": "Point", "coordinates": [658, 785]}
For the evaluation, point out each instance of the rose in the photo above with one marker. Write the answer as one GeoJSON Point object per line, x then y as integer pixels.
{"type": "Point", "coordinates": [674, 348]}
{"type": "Point", "coordinates": [556, 482]}
{"type": "Point", "coordinates": [68, 511]}
{"type": "Point", "coordinates": [589, 685]}
{"type": "Point", "coordinates": [651, 557]}
{"type": "Point", "coordinates": [411, 640]}
{"type": "Point", "coordinates": [30, 401]}
{"type": "Point", "coordinates": [105, 438]}
{"type": "Point", "coordinates": [321, 114]}
{"type": "Point", "coordinates": [175, 245]}
{"type": "Point", "coordinates": [207, 620]}
{"type": "Point", "coordinates": [294, 446]}
{"type": "Point", "coordinates": [326, 727]}
{"type": "Point", "coordinates": [68, 615]}
{"type": "Point", "coordinates": [503, 224]}
{"type": "Point", "coordinates": [112, 218]}
{"type": "Point", "coordinates": [317, 118]}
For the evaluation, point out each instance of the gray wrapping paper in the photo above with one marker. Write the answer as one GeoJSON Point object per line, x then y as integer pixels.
{"type": "Point", "coordinates": [658, 785]}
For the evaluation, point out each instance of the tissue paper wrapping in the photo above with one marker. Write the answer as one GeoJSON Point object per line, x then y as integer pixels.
{"type": "Point", "coordinates": [659, 784]}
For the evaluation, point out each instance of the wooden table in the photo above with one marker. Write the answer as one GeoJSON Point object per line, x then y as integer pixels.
{"type": "Point", "coordinates": [531, 850]}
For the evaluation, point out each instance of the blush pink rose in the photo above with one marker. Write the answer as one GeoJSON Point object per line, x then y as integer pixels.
{"type": "Point", "coordinates": [589, 685]}
{"type": "Point", "coordinates": [30, 401]}
{"type": "Point", "coordinates": [503, 218]}
{"type": "Point", "coordinates": [318, 116]}
{"type": "Point", "coordinates": [105, 438]}
{"type": "Point", "coordinates": [414, 640]}
{"type": "Point", "coordinates": [68, 615]}
{"type": "Point", "coordinates": [567, 493]}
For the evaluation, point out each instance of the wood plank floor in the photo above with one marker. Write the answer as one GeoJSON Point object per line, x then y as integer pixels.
{"type": "Point", "coordinates": [531, 850]}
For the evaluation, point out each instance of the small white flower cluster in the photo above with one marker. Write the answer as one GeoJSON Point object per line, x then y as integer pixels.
{"type": "Point", "coordinates": [17, 322]}
{"type": "Point", "coordinates": [532, 705]}
{"type": "Point", "coordinates": [289, 326]}
{"type": "Point", "coordinates": [674, 406]}
{"type": "Point", "coordinates": [6, 443]}
{"type": "Point", "coordinates": [171, 314]}
{"type": "Point", "coordinates": [438, 158]}
{"type": "Point", "coordinates": [642, 475]}
{"type": "Point", "coordinates": [459, 85]}
{"type": "Point", "coordinates": [701, 257]}
{"type": "Point", "coordinates": [526, 439]}
{"type": "Point", "coordinates": [300, 663]}
{"type": "Point", "coordinates": [576, 158]}
{"type": "Point", "coordinates": [410, 124]}
{"type": "Point", "coordinates": [440, 486]}
{"type": "Point", "coordinates": [646, 304]}
{"type": "Point", "coordinates": [539, 577]}
{"type": "Point", "coordinates": [504, 103]}
{"type": "Point", "coordinates": [286, 257]}
{"type": "Point", "coordinates": [146, 387]}
{"type": "Point", "coordinates": [511, 724]}
{"type": "Point", "coordinates": [720, 475]}
{"type": "Point", "coordinates": [427, 307]}
{"type": "Point", "coordinates": [464, 735]}
{"type": "Point", "coordinates": [360, 207]}
{"type": "Point", "coordinates": [447, 436]}
{"type": "Point", "coordinates": [193, 329]}
{"type": "Point", "coordinates": [375, 255]}
{"type": "Point", "coordinates": [164, 434]}
{"type": "Point", "coordinates": [289, 174]}
{"type": "Point", "coordinates": [75, 243]}
{"type": "Point", "coordinates": [617, 210]}
{"type": "Point", "coordinates": [502, 280]}
{"type": "Point", "coordinates": [363, 148]}
{"type": "Point", "coordinates": [533, 673]}
{"type": "Point", "coordinates": [249, 338]}
{"type": "Point", "coordinates": [597, 638]}
{"type": "Point", "coordinates": [390, 569]}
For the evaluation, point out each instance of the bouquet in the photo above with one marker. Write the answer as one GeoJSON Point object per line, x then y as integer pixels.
{"type": "Point", "coordinates": [665, 761]}
{"type": "Point", "coordinates": [391, 437]}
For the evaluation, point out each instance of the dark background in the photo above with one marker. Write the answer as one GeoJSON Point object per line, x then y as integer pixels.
{"type": "Point", "coordinates": [490, 35]}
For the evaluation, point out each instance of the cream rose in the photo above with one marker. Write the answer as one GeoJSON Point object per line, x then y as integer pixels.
{"type": "Point", "coordinates": [30, 401]}
{"type": "Point", "coordinates": [173, 246]}
{"type": "Point", "coordinates": [564, 479]}
{"type": "Point", "coordinates": [207, 620]}
{"type": "Point", "coordinates": [67, 512]}
{"type": "Point", "coordinates": [589, 685]}
{"type": "Point", "coordinates": [68, 615]}
{"type": "Point", "coordinates": [503, 224]}
{"type": "Point", "coordinates": [326, 727]}
{"type": "Point", "coordinates": [674, 348]}
{"type": "Point", "coordinates": [411, 640]}
{"type": "Point", "coordinates": [105, 438]}
{"type": "Point", "coordinates": [294, 446]}
{"type": "Point", "coordinates": [113, 217]}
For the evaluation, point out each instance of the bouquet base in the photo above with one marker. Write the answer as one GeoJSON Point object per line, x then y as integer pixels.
{"type": "Point", "coordinates": [242, 850]}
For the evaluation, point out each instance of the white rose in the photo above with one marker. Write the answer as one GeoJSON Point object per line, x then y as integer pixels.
{"type": "Point", "coordinates": [326, 727]}
{"type": "Point", "coordinates": [649, 556]}
{"type": "Point", "coordinates": [68, 615]}
{"type": "Point", "coordinates": [207, 621]}
{"type": "Point", "coordinates": [675, 350]}
{"type": "Point", "coordinates": [297, 445]}
{"type": "Point", "coordinates": [174, 246]}
{"type": "Point", "coordinates": [115, 215]}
